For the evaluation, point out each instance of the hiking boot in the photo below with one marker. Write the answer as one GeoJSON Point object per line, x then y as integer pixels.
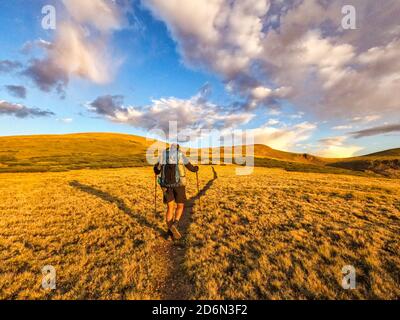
{"type": "Point", "coordinates": [175, 231]}
{"type": "Point", "coordinates": [168, 235]}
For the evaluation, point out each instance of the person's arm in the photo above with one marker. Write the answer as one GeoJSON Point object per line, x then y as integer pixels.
{"type": "Point", "coordinates": [157, 169]}
{"type": "Point", "coordinates": [158, 166]}
{"type": "Point", "coordinates": [189, 166]}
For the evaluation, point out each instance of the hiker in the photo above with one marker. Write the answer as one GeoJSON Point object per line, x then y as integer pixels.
{"type": "Point", "coordinates": [171, 165]}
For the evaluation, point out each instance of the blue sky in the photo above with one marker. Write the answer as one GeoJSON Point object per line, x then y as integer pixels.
{"type": "Point", "coordinates": [129, 66]}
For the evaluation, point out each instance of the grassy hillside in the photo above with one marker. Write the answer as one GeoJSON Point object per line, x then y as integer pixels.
{"type": "Point", "coordinates": [52, 153]}
{"type": "Point", "coordinates": [68, 152]}
{"type": "Point", "coordinates": [386, 153]}
{"type": "Point", "coordinates": [265, 152]}
{"type": "Point", "coordinates": [386, 163]}
{"type": "Point", "coordinates": [308, 167]}
{"type": "Point", "coordinates": [267, 157]}
{"type": "Point", "coordinates": [262, 151]}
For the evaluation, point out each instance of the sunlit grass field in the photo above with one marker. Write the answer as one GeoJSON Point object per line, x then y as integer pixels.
{"type": "Point", "coordinates": [270, 235]}
{"type": "Point", "coordinates": [281, 235]}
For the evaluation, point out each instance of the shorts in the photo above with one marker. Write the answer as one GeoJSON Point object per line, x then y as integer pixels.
{"type": "Point", "coordinates": [177, 194]}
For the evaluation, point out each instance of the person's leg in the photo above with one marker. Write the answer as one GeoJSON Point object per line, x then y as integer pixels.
{"type": "Point", "coordinates": [170, 214]}
{"type": "Point", "coordinates": [173, 226]}
{"type": "Point", "coordinates": [179, 211]}
{"type": "Point", "coordinates": [180, 199]}
{"type": "Point", "coordinates": [169, 201]}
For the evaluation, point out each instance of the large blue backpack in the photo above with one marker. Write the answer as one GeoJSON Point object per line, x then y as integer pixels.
{"type": "Point", "coordinates": [172, 169]}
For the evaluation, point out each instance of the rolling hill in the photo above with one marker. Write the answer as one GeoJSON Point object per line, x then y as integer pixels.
{"type": "Point", "coordinates": [262, 151]}
{"type": "Point", "coordinates": [73, 151]}
{"type": "Point", "coordinates": [386, 163]}
{"type": "Point", "coordinates": [386, 153]}
{"type": "Point", "coordinates": [42, 153]}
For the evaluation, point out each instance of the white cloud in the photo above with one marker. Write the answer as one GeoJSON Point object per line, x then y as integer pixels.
{"type": "Point", "coordinates": [298, 115]}
{"type": "Point", "coordinates": [29, 46]}
{"type": "Point", "coordinates": [260, 93]}
{"type": "Point", "coordinates": [259, 46]}
{"type": "Point", "coordinates": [21, 111]}
{"type": "Point", "coordinates": [103, 15]}
{"type": "Point", "coordinates": [273, 122]}
{"type": "Point", "coordinates": [357, 122]}
{"type": "Point", "coordinates": [193, 114]}
{"type": "Point", "coordinates": [366, 119]}
{"type": "Point", "coordinates": [80, 48]}
{"type": "Point", "coordinates": [342, 127]}
{"type": "Point", "coordinates": [66, 120]}
{"type": "Point", "coordinates": [336, 147]}
{"type": "Point", "coordinates": [274, 112]}
{"type": "Point", "coordinates": [220, 34]}
{"type": "Point", "coordinates": [283, 138]}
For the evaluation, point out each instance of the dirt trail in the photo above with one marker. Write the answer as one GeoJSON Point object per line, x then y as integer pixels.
{"type": "Point", "coordinates": [176, 285]}
{"type": "Point", "coordinates": [173, 281]}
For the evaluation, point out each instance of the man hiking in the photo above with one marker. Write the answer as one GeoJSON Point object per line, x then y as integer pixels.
{"type": "Point", "coordinates": [171, 165]}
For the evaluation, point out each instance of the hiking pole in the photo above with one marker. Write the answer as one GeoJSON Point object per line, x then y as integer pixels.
{"type": "Point", "coordinates": [155, 194]}
{"type": "Point", "coordinates": [198, 190]}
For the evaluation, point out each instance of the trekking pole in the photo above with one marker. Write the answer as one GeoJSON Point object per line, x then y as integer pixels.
{"type": "Point", "coordinates": [155, 194]}
{"type": "Point", "coordinates": [198, 189]}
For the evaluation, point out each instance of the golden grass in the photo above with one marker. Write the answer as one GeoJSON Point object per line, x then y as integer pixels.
{"type": "Point", "coordinates": [280, 235]}
{"type": "Point", "coordinates": [97, 228]}
{"type": "Point", "coordinates": [43, 153]}
{"type": "Point", "coordinates": [274, 234]}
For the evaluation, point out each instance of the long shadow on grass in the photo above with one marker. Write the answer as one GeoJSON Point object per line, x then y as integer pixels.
{"type": "Point", "coordinates": [178, 286]}
{"type": "Point", "coordinates": [119, 202]}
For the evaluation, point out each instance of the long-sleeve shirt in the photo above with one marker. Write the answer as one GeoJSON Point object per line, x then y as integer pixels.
{"type": "Point", "coordinates": [186, 162]}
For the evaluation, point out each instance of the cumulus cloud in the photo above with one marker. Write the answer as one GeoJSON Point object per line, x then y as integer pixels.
{"type": "Point", "coordinates": [16, 91]}
{"type": "Point", "coordinates": [30, 46]}
{"type": "Point", "coordinates": [22, 111]}
{"type": "Point", "coordinates": [193, 114]}
{"type": "Point", "coordinates": [198, 118]}
{"type": "Point", "coordinates": [273, 122]}
{"type": "Point", "coordinates": [107, 105]}
{"type": "Point", "coordinates": [342, 127]}
{"type": "Point", "coordinates": [222, 34]}
{"type": "Point", "coordinates": [47, 75]}
{"type": "Point", "coordinates": [9, 66]}
{"type": "Point", "coordinates": [80, 47]}
{"type": "Point", "coordinates": [366, 119]}
{"type": "Point", "coordinates": [297, 50]}
{"type": "Point", "coordinates": [66, 120]}
{"type": "Point", "coordinates": [283, 138]}
{"type": "Point", "coordinates": [336, 147]}
{"type": "Point", "coordinates": [389, 128]}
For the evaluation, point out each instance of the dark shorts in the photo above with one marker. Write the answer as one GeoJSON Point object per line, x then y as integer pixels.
{"type": "Point", "coordinates": [177, 194]}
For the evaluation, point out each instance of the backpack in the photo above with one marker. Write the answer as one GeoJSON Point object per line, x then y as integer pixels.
{"type": "Point", "coordinates": [173, 173]}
